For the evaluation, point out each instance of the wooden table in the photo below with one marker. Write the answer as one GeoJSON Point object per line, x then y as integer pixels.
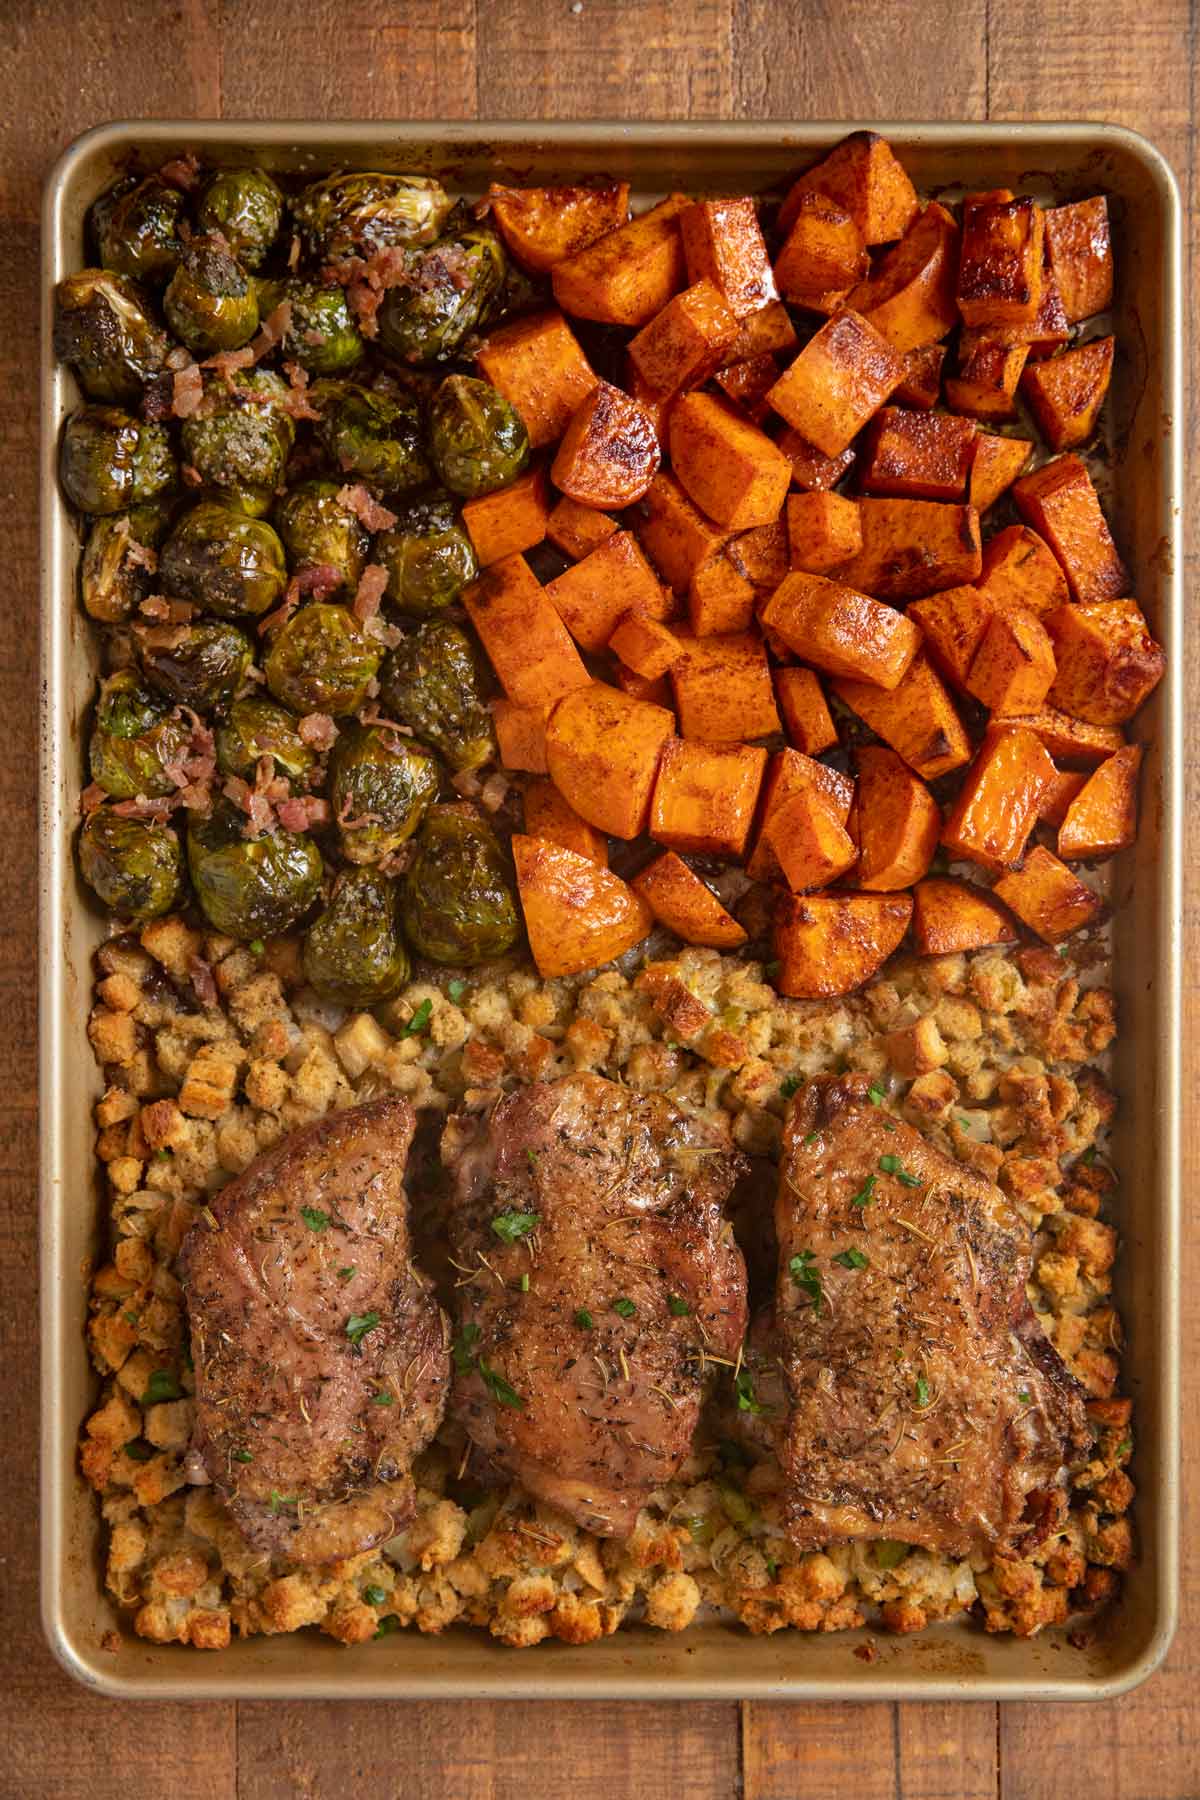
{"type": "Point", "coordinates": [68, 66]}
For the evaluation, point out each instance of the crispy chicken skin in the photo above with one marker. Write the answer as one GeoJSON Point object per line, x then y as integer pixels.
{"type": "Point", "coordinates": [923, 1400]}
{"type": "Point", "coordinates": [306, 1312]}
{"type": "Point", "coordinates": [586, 1386]}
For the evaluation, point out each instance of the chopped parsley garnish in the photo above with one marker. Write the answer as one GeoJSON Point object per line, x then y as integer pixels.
{"type": "Point", "coordinates": [1124, 1447]}
{"type": "Point", "coordinates": [743, 1387]}
{"type": "Point", "coordinates": [137, 1450]}
{"type": "Point", "coordinates": [511, 1226]}
{"type": "Point", "coordinates": [383, 1398]}
{"type": "Point", "coordinates": [852, 1259]}
{"type": "Point", "coordinates": [314, 1218]}
{"type": "Point", "coordinates": [790, 1084]}
{"type": "Point", "coordinates": [1024, 1396]}
{"type": "Point", "coordinates": [456, 990]}
{"type": "Point", "coordinates": [772, 1566]}
{"type": "Point", "coordinates": [387, 1625]}
{"type": "Point", "coordinates": [161, 1386]}
{"type": "Point", "coordinates": [374, 1596]}
{"type": "Point", "coordinates": [583, 1318]}
{"type": "Point", "coordinates": [278, 1500]}
{"type": "Point", "coordinates": [891, 1165]}
{"type": "Point", "coordinates": [865, 1194]}
{"type": "Point", "coordinates": [811, 1138]}
{"type": "Point", "coordinates": [678, 1306]}
{"type": "Point", "coordinates": [1089, 1156]}
{"type": "Point", "coordinates": [523, 1284]}
{"type": "Point", "coordinates": [257, 947]}
{"type": "Point", "coordinates": [358, 1325]}
{"type": "Point", "coordinates": [465, 1359]}
{"type": "Point", "coordinates": [504, 1393]}
{"type": "Point", "coordinates": [805, 1276]}
{"type": "Point", "coordinates": [531, 1157]}
{"type": "Point", "coordinates": [965, 1123]}
{"type": "Point", "coordinates": [771, 970]}
{"type": "Point", "coordinates": [463, 1348]}
{"type": "Point", "coordinates": [921, 1391]}
{"type": "Point", "coordinates": [241, 1455]}
{"type": "Point", "coordinates": [625, 1307]}
{"type": "Point", "coordinates": [346, 1273]}
{"type": "Point", "coordinates": [130, 1318]}
{"type": "Point", "coordinates": [876, 1096]}
{"type": "Point", "coordinates": [419, 1020]}
{"type": "Point", "coordinates": [163, 1155]}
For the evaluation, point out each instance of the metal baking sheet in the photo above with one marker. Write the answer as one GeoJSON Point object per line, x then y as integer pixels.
{"type": "Point", "coordinates": [955, 1661]}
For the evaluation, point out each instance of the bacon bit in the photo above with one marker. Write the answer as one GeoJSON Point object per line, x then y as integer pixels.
{"type": "Point", "coordinates": [293, 258]}
{"type": "Point", "coordinates": [158, 399]}
{"type": "Point", "coordinates": [228, 363]}
{"type": "Point", "coordinates": [372, 689]}
{"type": "Point", "coordinates": [366, 509]}
{"type": "Point", "coordinates": [396, 861]}
{"type": "Point", "coordinates": [255, 677]}
{"type": "Point", "coordinates": [191, 475]}
{"type": "Point", "coordinates": [467, 783]}
{"type": "Point", "coordinates": [313, 336]}
{"type": "Point", "coordinates": [272, 331]}
{"type": "Point", "coordinates": [494, 792]}
{"type": "Point", "coordinates": [368, 596]}
{"type": "Point", "coordinates": [167, 636]}
{"type": "Point", "coordinates": [92, 796]}
{"type": "Point", "coordinates": [301, 812]}
{"type": "Point", "coordinates": [203, 985]}
{"type": "Point", "coordinates": [177, 358]}
{"type": "Point", "coordinates": [369, 714]}
{"type": "Point", "coordinates": [182, 172]}
{"type": "Point", "coordinates": [284, 611]}
{"type": "Point", "coordinates": [383, 633]}
{"type": "Point", "coordinates": [318, 731]}
{"type": "Point", "coordinates": [197, 797]}
{"type": "Point", "coordinates": [297, 404]}
{"type": "Point", "coordinates": [157, 811]}
{"type": "Point", "coordinates": [155, 606]}
{"type": "Point", "coordinates": [187, 391]}
{"type": "Point", "coordinates": [141, 556]}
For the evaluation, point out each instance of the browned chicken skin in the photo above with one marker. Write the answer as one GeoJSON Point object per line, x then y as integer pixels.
{"type": "Point", "coordinates": [925, 1403]}
{"type": "Point", "coordinates": [321, 1356]}
{"type": "Point", "coordinates": [586, 1384]}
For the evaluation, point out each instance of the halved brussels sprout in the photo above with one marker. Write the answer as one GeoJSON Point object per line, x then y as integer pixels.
{"type": "Point", "coordinates": [428, 556]}
{"type": "Point", "coordinates": [136, 227]}
{"type": "Point", "coordinates": [256, 728]}
{"type": "Point", "coordinates": [241, 441]}
{"type": "Point", "coordinates": [476, 437]}
{"type": "Point", "coordinates": [251, 887]}
{"type": "Point", "coordinates": [224, 561]}
{"type": "Point", "coordinates": [211, 303]}
{"type": "Point", "coordinates": [321, 661]}
{"type": "Point", "coordinates": [354, 953]}
{"type": "Point", "coordinates": [431, 682]}
{"type": "Point", "coordinates": [135, 867]}
{"type": "Point", "coordinates": [109, 461]}
{"type": "Point", "coordinates": [246, 207]}
{"type": "Point", "coordinates": [458, 905]}
{"type": "Point", "coordinates": [380, 786]}
{"type": "Point", "coordinates": [135, 735]}
{"type": "Point", "coordinates": [355, 215]}
{"type": "Point", "coordinates": [322, 335]}
{"type": "Point", "coordinates": [374, 436]}
{"type": "Point", "coordinates": [201, 665]}
{"type": "Point", "coordinates": [317, 531]}
{"type": "Point", "coordinates": [103, 331]}
{"type": "Point", "coordinates": [112, 579]}
{"type": "Point", "coordinates": [451, 287]}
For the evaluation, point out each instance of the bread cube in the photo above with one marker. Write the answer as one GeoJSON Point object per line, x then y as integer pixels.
{"type": "Point", "coordinates": [812, 470]}
{"type": "Point", "coordinates": [537, 364]}
{"type": "Point", "coordinates": [511, 520]}
{"type": "Point", "coordinates": [791, 773]}
{"type": "Point", "coordinates": [1102, 817]}
{"type": "Point", "coordinates": [917, 456]}
{"type": "Point", "coordinates": [1065, 395]}
{"type": "Point", "coordinates": [996, 464]}
{"type": "Point", "coordinates": [644, 645]}
{"type": "Point", "coordinates": [830, 944]}
{"type": "Point", "coordinates": [841, 377]}
{"type": "Point", "coordinates": [837, 629]}
{"type": "Point", "coordinates": [863, 174]}
{"type": "Point", "coordinates": [953, 624]}
{"type": "Point", "coordinates": [594, 595]}
{"type": "Point", "coordinates": [1047, 897]}
{"type": "Point", "coordinates": [809, 842]}
{"type": "Point", "coordinates": [914, 547]}
{"type": "Point", "coordinates": [823, 256]}
{"type": "Point", "coordinates": [951, 917]}
{"type": "Point", "coordinates": [997, 805]}
{"type": "Point", "coordinates": [805, 711]}
{"type": "Point", "coordinates": [684, 343]}
{"type": "Point", "coordinates": [550, 817]}
{"type": "Point", "coordinates": [767, 332]}
{"type": "Point", "coordinates": [985, 386]}
{"type": "Point", "coordinates": [521, 735]}
{"type": "Point", "coordinates": [1108, 661]}
{"type": "Point", "coordinates": [543, 226]}
{"type": "Point", "coordinates": [578, 530]}
{"type": "Point", "coordinates": [628, 275]}
{"type": "Point", "coordinates": [723, 243]}
{"type": "Point", "coordinates": [1013, 669]}
{"type": "Point", "coordinates": [686, 905]}
{"type": "Point", "coordinates": [726, 465]}
{"type": "Point", "coordinates": [603, 750]}
{"type": "Point", "coordinates": [1020, 569]}
{"type": "Point", "coordinates": [909, 296]}
{"type": "Point", "coordinates": [705, 796]}
{"type": "Point", "coordinates": [722, 688]}
{"type": "Point", "coordinates": [899, 822]}
{"type": "Point", "coordinates": [526, 641]}
{"type": "Point", "coordinates": [917, 718]}
{"type": "Point", "coordinates": [748, 383]}
{"type": "Point", "coordinates": [823, 531]}
{"type": "Point", "coordinates": [720, 599]}
{"type": "Point", "coordinates": [921, 383]}
{"type": "Point", "coordinates": [1061, 504]}
{"type": "Point", "coordinates": [1000, 265]}
{"type": "Point", "coordinates": [1079, 246]}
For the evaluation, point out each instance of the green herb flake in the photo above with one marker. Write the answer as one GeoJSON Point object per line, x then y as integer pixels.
{"type": "Point", "coordinates": [624, 1307]}
{"type": "Point", "coordinates": [583, 1318]}
{"type": "Point", "coordinates": [789, 1085]}
{"type": "Point", "coordinates": [865, 1194]}
{"type": "Point", "coordinates": [511, 1226]}
{"type": "Point", "coordinates": [523, 1284]}
{"type": "Point", "coordinates": [358, 1325]}
{"type": "Point", "coordinates": [771, 969]}
{"type": "Point", "coordinates": [455, 990]}
{"type": "Point", "coordinates": [851, 1259]}
{"type": "Point", "coordinates": [130, 1318]}
{"type": "Point", "coordinates": [811, 1138]}
{"type": "Point", "coordinates": [314, 1218]}
{"type": "Point", "coordinates": [531, 1157]}
{"type": "Point", "coordinates": [161, 1386]}
{"type": "Point", "coordinates": [876, 1096]}
{"type": "Point", "coordinates": [278, 1500]}
{"type": "Point", "coordinates": [242, 1456]}
{"type": "Point", "coordinates": [921, 1391]}
{"type": "Point", "coordinates": [965, 1123]}
{"type": "Point", "coordinates": [257, 947]}
{"type": "Point", "coordinates": [137, 1450]}
{"type": "Point", "coordinates": [383, 1398]}
{"type": "Point", "coordinates": [374, 1596]}
{"type": "Point", "coordinates": [1089, 1156]}
{"type": "Point", "coordinates": [419, 1020]}
{"type": "Point", "coordinates": [889, 1552]}
{"type": "Point", "coordinates": [743, 1387]}
{"type": "Point", "coordinates": [1024, 1396]}
{"type": "Point", "coordinates": [678, 1306]}
{"type": "Point", "coordinates": [772, 1566]}
{"type": "Point", "coordinates": [805, 1276]}
{"type": "Point", "coordinates": [891, 1165]}
{"type": "Point", "coordinates": [503, 1392]}
{"type": "Point", "coordinates": [463, 1348]}
{"type": "Point", "coordinates": [347, 1273]}
{"type": "Point", "coordinates": [1124, 1447]}
{"type": "Point", "coordinates": [163, 1155]}
{"type": "Point", "coordinates": [387, 1625]}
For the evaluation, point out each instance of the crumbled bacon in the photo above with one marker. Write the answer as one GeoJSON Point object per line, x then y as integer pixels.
{"type": "Point", "coordinates": [369, 714]}
{"type": "Point", "coordinates": [494, 792]}
{"type": "Point", "coordinates": [293, 259]}
{"type": "Point", "coordinates": [155, 606]}
{"type": "Point", "coordinates": [383, 633]}
{"type": "Point", "coordinates": [297, 404]}
{"type": "Point", "coordinates": [191, 475]}
{"type": "Point", "coordinates": [272, 331]}
{"type": "Point", "coordinates": [368, 596]}
{"type": "Point", "coordinates": [155, 811]}
{"type": "Point", "coordinates": [302, 811]}
{"type": "Point", "coordinates": [203, 985]}
{"type": "Point", "coordinates": [466, 783]}
{"type": "Point", "coordinates": [92, 796]}
{"type": "Point", "coordinates": [187, 391]}
{"type": "Point", "coordinates": [165, 636]}
{"type": "Point", "coordinates": [177, 358]}
{"type": "Point", "coordinates": [140, 556]}
{"type": "Point", "coordinates": [228, 363]}
{"type": "Point", "coordinates": [396, 861]}
{"type": "Point", "coordinates": [318, 731]}
{"type": "Point", "coordinates": [366, 509]}
{"type": "Point", "coordinates": [366, 282]}
{"type": "Point", "coordinates": [158, 400]}
{"type": "Point", "coordinates": [182, 172]}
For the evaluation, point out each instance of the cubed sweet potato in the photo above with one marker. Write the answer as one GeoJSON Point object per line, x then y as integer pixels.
{"type": "Point", "coordinates": [1020, 569]}
{"type": "Point", "coordinates": [790, 773]}
{"type": "Point", "coordinates": [1000, 264]}
{"type": "Point", "coordinates": [1061, 504]}
{"type": "Point", "coordinates": [805, 711]}
{"type": "Point", "coordinates": [917, 719]}
{"type": "Point", "coordinates": [526, 641]}
{"type": "Point", "coordinates": [841, 631]}
{"type": "Point", "coordinates": [762, 555]}
{"type": "Point", "coordinates": [673, 532]}
{"type": "Point", "coordinates": [841, 377]}
{"type": "Point", "coordinates": [726, 465]}
{"type": "Point", "coordinates": [1108, 661]}
{"type": "Point", "coordinates": [593, 596]}
{"type": "Point", "coordinates": [917, 456]}
{"type": "Point", "coordinates": [985, 386]}
{"type": "Point", "coordinates": [996, 464]}
{"type": "Point", "coordinates": [720, 599]}
{"type": "Point", "coordinates": [577, 914]}
{"type": "Point", "coordinates": [628, 275]}
{"type": "Point", "coordinates": [823, 531]}
{"type": "Point", "coordinates": [809, 842]}
{"type": "Point", "coordinates": [863, 174]}
{"type": "Point", "coordinates": [909, 296]}
{"type": "Point", "coordinates": [1048, 897]}
{"type": "Point", "coordinates": [543, 226]}
{"type": "Point", "coordinates": [521, 735]}
{"type": "Point", "coordinates": [603, 750]}
{"type": "Point", "coordinates": [609, 454]}
{"type": "Point", "coordinates": [723, 243]}
{"type": "Point", "coordinates": [748, 383]}
{"type": "Point", "coordinates": [950, 917]}
{"type": "Point", "coordinates": [705, 796]}
{"type": "Point", "coordinates": [1102, 818]}
{"type": "Point", "coordinates": [1056, 800]}
{"type": "Point", "coordinates": [823, 256]}
{"type": "Point", "coordinates": [953, 624]}
{"type": "Point", "coordinates": [914, 547]}
{"type": "Point", "coordinates": [830, 944]}
{"type": "Point", "coordinates": [686, 342]}
{"type": "Point", "coordinates": [537, 364]}
{"type": "Point", "coordinates": [645, 645]}
{"type": "Point", "coordinates": [1080, 252]}
{"type": "Point", "coordinates": [997, 806]}
{"type": "Point", "coordinates": [812, 470]}
{"type": "Point", "coordinates": [1065, 394]}
{"type": "Point", "coordinates": [723, 688]}
{"type": "Point", "coordinates": [1071, 740]}
{"type": "Point", "coordinates": [657, 407]}
{"type": "Point", "coordinates": [686, 905]}
{"type": "Point", "coordinates": [1013, 669]}
{"type": "Point", "coordinates": [578, 530]}
{"type": "Point", "coordinates": [549, 816]}
{"type": "Point", "coordinates": [659, 691]}
{"type": "Point", "coordinates": [899, 822]}
{"type": "Point", "coordinates": [511, 520]}
{"type": "Point", "coordinates": [921, 383]}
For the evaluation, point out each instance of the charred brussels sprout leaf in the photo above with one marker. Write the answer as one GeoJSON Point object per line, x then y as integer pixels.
{"type": "Point", "coordinates": [108, 461]}
{"type": "Point", "coordinates": [356, 215]}
{"type": "Point", "coordinates": [321, 661]}
{"type": "Point", "coordinates": [374, 436]}
{"type": "Point", "coordinates": [380, 786]}
{"type": "Point", "coordinates": [449, 291]}
{"type": "Point", "coordinates": [458, 905]}
{"type": "Point", "coordinates": [322, 335]}
{"type": "Point", "coordinates": [223, 561]}
{"type": "Point", "coordinates": [354, 953]}
{"type": "Point", "coordinates": [104, 332]}
{"type": "Point", "coordinates": [476, 437]}
{"type": "Point", "coordinates": [136, 227]}
{"type": "Point", "coordinates": [134, 738]}
{"type": "Point", "coordinates": [256, 728]}
{"type": "Point", "coordinates": [430, 682]}
{"type": "Point", "coordinates": [241, 441]}
{"type": "Point", "coordinates": [246, 207]}
{"type": "Point", "coordinates": [211, 303]}
{"type": "Point", "coordinates": [318, 532]}
{"type": "Point", "coordinates": [113, 573]}
{"type": "Point", "coordinates": [135, 868]}
{"type": "Point", "coordinates": [201, 665]}
{"type": "Point", "coordinates": [428, 557]}
{"type": "Point", "coordinates": [251, 887]}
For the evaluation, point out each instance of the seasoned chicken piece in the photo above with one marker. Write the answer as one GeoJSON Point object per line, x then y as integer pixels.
{"type": "Point", "coordinates": [597, 1276]}
{"type": "Point", "coordinates": [322, 1359]}
{"type": "Point", "coordinates": [925, 1402]}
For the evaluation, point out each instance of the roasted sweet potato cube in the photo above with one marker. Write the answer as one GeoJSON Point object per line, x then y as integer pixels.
{"type": "Point", "coordinates": [830, 944]}
{"type": "Point", "coordinates": [603, 750]}
{"type": "Point", "coordinates": [1020, 569]}
{"type": "Point", "coordinates": [823, 531]}
{"type": "Point", "coordinates": [762, 555]}
{"type": "Point", "coordinates": [537, 364]}
{"type": "Point", "coordinates": [1047, 897]}
{"type": "Point", "coordinates": [921, 383]}
{"type": "Point", "coordinates": [996, 464]}
{"type": "Point", "coordinates": [673, 532]}
{"type": "Point", "coordinates": [526, 641]}
{"type": "Point", "coordinates": [812, 470]}
{"type": "Point", "coordinates": [823, 256]}
{"type": "Point", "coordinates": [917, 719]}
{"type": "Point", "coordinates": [594, 595]}
{"type": "Point", "coordinates": [863, 174]}
{"type": "Point", "coordinates": [644, 645]}
{"type": "Point", "coordinates": [511, 520]}
{"type": "Point", "coordinates": [841, 377]}
{"type": "Point", "coordinates": [1065, 394]}
{"type": "Point", "coordinates": [657, 407]}
{"type": "Point", "coordinates": [549, 816]}
{"type": "Point", "coordinates": [914, 547]}
{"type": "Point", "coordinates": [543, 226]}
{"type": "Point", "coordinates": [909, 296]}
{"type": "Point", "coordinates": [917, 456]}
{"type": "Point", "coordinates": [748, 383]}
{"type": "Point", "coordinates": [899, 822]}
{"type": "Point", "coordinates": [705, 796]}
{"type": "Point", "coordinates": [686, 905]}
{"type": "Point", "coordinates": [1080, 252]}
{"type": "Point", "coordinates": [1061, 504]}
{"type": "Point", "coordinates": [723, 243]}
{"type": "Point", "coordinates": [658, 692]}
{"type": "Point", "coordinates": [609, 454]}
{"type": "Point", "coordinates": [988, 373]}
{"type": "Point", "coordinates": [627, 276]}
{"type": "Point", "coordinates": [1000, 265]}
{"type": "Point", "coordinates": [950, 917]}
{"type": "Point", "coordinates": [997, 806]}
{"type": "Point", "coordinates": [1102, 818]}
{"type": "Point", "coordinates": [790, 772]}
{"type": "Point", "coordinates": [726, 465]}
{"type": "Point", "coordinates": [1071, 740]}
{"type": "Point", "coordinates": [1056, 800]}
{"type": "Point", "coordinates": [684, 343]}
{"type": "Point", "coordinates": [953, 623]}
{"type": "Point", "coordinates": [841, 631]}
{"type": "Point", "coordinates": [809, 842]}
{"type": "Point", "coordinates": [577, 914]}
{"type": "Point", "coordinates": [1013, 669]}
{"type": "Point", "coordinates": [1108, 661]}
{"type": "Point", "coordinates": [578, 530]}
{"type": "Point", "coordinates": [521, 735]}
{"type": "Point", "coordinates": [1043, 334]}
{"type": "Point", "coordinates": [723, 688]}
{"type": "Point", "coordinates": [719, 599]}
{"type": "Point", "coordinates": [805, 711]}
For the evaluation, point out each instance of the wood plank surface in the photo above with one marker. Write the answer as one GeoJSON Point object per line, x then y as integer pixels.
{"type": "Point", "coordinates": [68, 67]}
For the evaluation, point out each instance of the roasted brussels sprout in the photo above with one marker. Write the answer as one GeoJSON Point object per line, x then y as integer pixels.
{"type": "Point", "coordinates": [458, 904]}
{"type": "Point", "coordinates": [136, 227]}
{"type": "Point", "coordinates": [246, 207]}
{"type": "Point", "coordinates": [224, 561]}
{"type": "Point", "coordinates": [355, 215]}
{"type": "Point", "coordinates": [353, 952]}
{"type": "Point", "coordinates": [135, 737]}
{"type": "Point", "coordinates": [427, 555]}
{"type": "Point", "coordinates": [318, 532]}
{"type": "Point", "coordinates": [321, 661]}
{"type": "Point", "coordinates": [201, 665]}
{"type": "Point", "coordinates": [113, 575]}
{"type": "Point", "coordinates": [430, 682]}
{"type": "Point", "coordinates": [251, 887]}
{"type": "Point", "coordinates": [241, 441]}
{"type": "Point", "coordinates": [374, 436]}
{"type": "Point", "coordinates": [211, 303]}
{"type": "Point", "coordinates": [104, 332]}
{"type": "Point", "coordinates": [476, 437]}
{"type": "Point", "coordinates": [322, 334]}
{"type": "Point", "coordinates": [133, 866]}
{"type": "Point", "coordinates": [380, 786]}
{"type": "Point", "coordinates": [256, 728]}
{"type": "Point", "coordinates": [451, 286]}
{"type": "Point", "coordinates": [109, 461]}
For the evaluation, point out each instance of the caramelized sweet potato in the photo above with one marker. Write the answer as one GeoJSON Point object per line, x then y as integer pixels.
{"type": "Point", "coordinates": [997, 463]}
{"type": "Point", "coordinates": [683, 903]}
{"type": "Point", "coordinates": [1000, 265]}
{"type": "Point", "coordinates": [1065, 395]}
{"type": "Point", "coordinates": [841, 377]}
{"type": "Point", "coordinates": [767, 332]}
{"type": "Point", "coordinates": [521, 735]}
{"type": "Point", "coordinates": [985, 386]}
{"type": "Point", "coordinates": [1020, 569]}
{"type": "Point", "coordinates": [748, 383]}
{"type": "Point", "coordinates": [805, 711]}
{"type": "Point", "coordinates": [1056, 800]}
{"type": "Point", "coordinates": [675, 535]}
{"type": "Point", "coordinates": [1044, 333]}
{"type": "Point", "coordinates": [705, 796]}
{"type": "Point", "coordinates": [549, 816]}
{"type": "Point", "coordinates": [917, 456]}
{"type": "Point", "coordinates": [1060, 502]}
{"type": "Point", "coordinates": [899, 822]}
{"type": "Point", "coordinates": [953, 623]}
{"type": "Point", "coordinates": [578, 530]}
{"type": "Point", "coordinates": [830, 944]}
{"type": "Point", "coordinates": [1102, 818]}
{"type": "Point", "coordinates": [537, 364]}
{"type": "Point", "coordinates": [997, 806]}
{"type": "Point", "coordinates": [657, 407]}
{"type": "Point", "coordinates": [862, 173]}
{"type": "Point", "coordinates": [823, 257]}
{"type": "Point", "coordinates": [762, 555]}
{"type": "Point", "coordinates": [603, 750]}
{"type": "Point", "coordinates": [627, 276]}
{"type": "Point", "coordinates": [511, 520]}
{"type": "Point", "coordinates": [809, 842]}
{"type": "Point", "coordinates": [1080, 252]}
{"type": "Point", "coordinates": [841, 631]}
{"type": "Point", "coordinates": [723, 243]}
{"type": "Point", "coordinates": [658, 692]}
{"type": "Point", "coordinates": [543, 226]}
{"type": "Point", "coordinates": [644, 645]}
{"type": "Point", "coordinates": [720, 599]}
{"type": "Point", "coordinates": [684, 343]}
{"type": "Point", "coordinates": [950, 917]}
{"type": "Point", "coordinates": [1108, 661]}
{"type": "Point", "coordinates": [812, 470]}
{"type": "Point", "coordinates": [723, 688]}
{"type": "Point", "coordinates": [914, 547]}
{"type": "Point", "coordinates": [790, 773]}
{"type": "Point", "coordinates": [1047, 897]}
{"type": "Point", "coordinates": [526, 641]}
{"type": "Point", "coordinates": [609, 454]}
{"type": "Point", "coordinates": [823, 531]}
{"type": "Point", "coordinates": [1013, 669]}
{"type": "Point", "coordinates": [909, 296]}
{"type": "Point", "coordinates": [594, 595]}
{"type": "Point", "coordinates": [917, 719]}
{"type": "Point", "coordinates": [726, 465]}
{"type": "Point", "coordinates": [1071, 740]}
{"type": "Point", "coordinates": [577, 914]}
{"type": "Point", "coordinates": [921, 383]}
